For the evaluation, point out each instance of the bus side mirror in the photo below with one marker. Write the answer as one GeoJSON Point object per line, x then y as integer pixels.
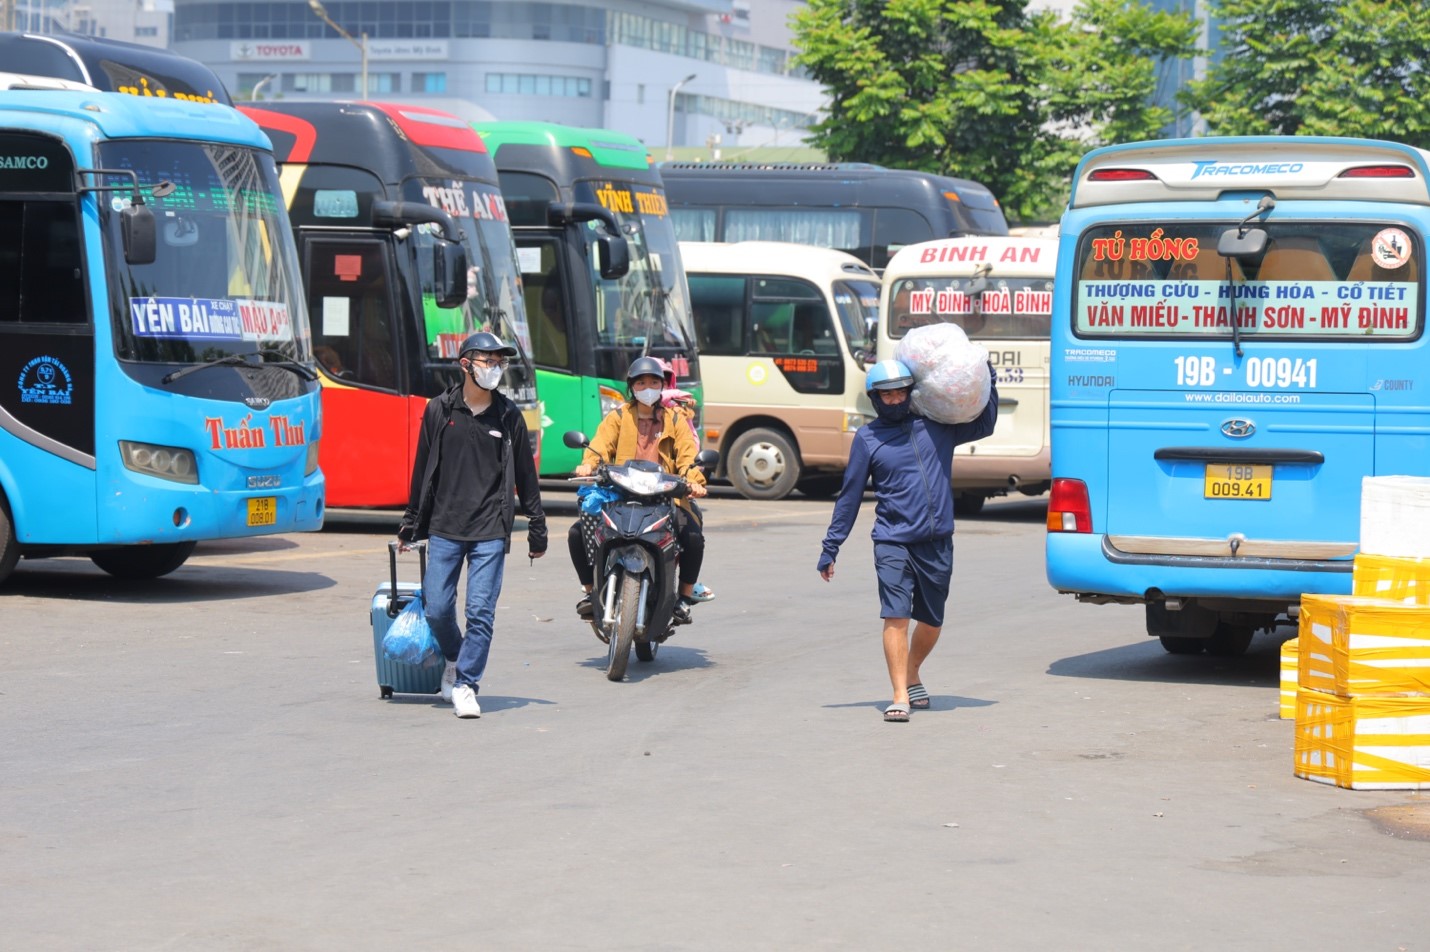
{"type": "Point", "coordinates": [449, 273]}
{"type": "Point", "coordinates": [1233, 243]}
{"type": "Point", "coordinates": [141, 235]}
{"type": "Point", "coordinates": [613, 256]}
{"type": "Point", "coordinates": [574, 439]}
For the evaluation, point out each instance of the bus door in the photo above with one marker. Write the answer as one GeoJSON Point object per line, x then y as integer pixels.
{"type": "Point", "coordinates": [357, 342]}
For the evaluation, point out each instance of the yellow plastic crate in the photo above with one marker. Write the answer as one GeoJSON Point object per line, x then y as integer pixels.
{"type": "Point", "coordinates": [1290, 667]}
{"type": "Point", "coordinates": [1377, 743]}
{"type": "Point", "coordinates": [1354, 646]}
{"type": "Point", "coordinates": [1387, 576]}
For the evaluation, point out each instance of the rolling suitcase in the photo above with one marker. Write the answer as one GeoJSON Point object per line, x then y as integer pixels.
{"type": "Point", "coordinates": [389, 599]}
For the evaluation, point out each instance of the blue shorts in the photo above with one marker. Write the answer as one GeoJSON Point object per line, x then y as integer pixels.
{"type": "Point", "coordinates": [913, 579]}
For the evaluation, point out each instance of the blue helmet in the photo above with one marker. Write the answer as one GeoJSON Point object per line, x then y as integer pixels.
{"type": "Point", "coordinates": [888, 375]}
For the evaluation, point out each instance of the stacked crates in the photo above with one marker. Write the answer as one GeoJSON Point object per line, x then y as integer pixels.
{"type": "Point", "coordinates": [1363, 679]}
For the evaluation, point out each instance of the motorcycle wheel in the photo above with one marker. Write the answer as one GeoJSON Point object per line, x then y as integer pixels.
{"type": "Point", "coordinates": [646, 650]}
{"type": "Point", "coordinates": [619, 654]}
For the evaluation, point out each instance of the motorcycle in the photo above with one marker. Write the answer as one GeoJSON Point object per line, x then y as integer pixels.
{"type": "Point", "coordinates": [632, 543]}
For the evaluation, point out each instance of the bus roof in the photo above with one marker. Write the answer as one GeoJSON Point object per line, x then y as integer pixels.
{"type": "Point", "coordinates": [374, 135]}
{"type": "Point", "coordinates": [112, 66]}
{"type": "Point", "coordinates": [1288, 167]}
{"type": "Point", "coordinates": [604, 147]}
{"type": "Point", "coordinates": [800, 183]}
{"type": "Point", "coordinates": [1023, 257]}
{"type": "Point", "coordinates": [120, 116]}
{"type": "Point", "coordinates": [772, 257]}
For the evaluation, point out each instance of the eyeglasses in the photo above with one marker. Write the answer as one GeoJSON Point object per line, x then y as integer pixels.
{"type": "Point", "coordinates": [486, 360]}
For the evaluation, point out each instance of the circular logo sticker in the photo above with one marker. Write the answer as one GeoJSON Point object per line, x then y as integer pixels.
{"type": "Point", "coordinates": [1390, 248]}
{"type": "Point", "coordinates": [756, 373]}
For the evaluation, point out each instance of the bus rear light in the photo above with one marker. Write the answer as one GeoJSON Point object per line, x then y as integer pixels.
{"type": "Point", "coordinates": [1068, 508]}
{"type": "Point", "coordinates": [310, 465]}
{"type": "Point", "coordinates": [1379, 171]}
{"type": "Point", "coordinates": [1121, 175]}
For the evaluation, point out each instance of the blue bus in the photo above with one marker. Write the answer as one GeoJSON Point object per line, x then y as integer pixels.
{"type": "Point", "coordinates": [157, 367]}
{"type": "Point", "coordinates": [1238, 339]}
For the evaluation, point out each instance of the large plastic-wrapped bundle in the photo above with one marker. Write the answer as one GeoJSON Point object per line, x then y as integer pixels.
{"type": "Point", "coordinates": [950, 372]}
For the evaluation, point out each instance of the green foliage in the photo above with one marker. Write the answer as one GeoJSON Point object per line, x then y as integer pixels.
{"type": "Point", "coordinates": [982, 89]}
{"type": "Point", "coordinates": [1320, 67]}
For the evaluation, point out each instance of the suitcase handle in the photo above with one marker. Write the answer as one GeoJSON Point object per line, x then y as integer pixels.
{"type": "Point", "coordinates": [392, 547]}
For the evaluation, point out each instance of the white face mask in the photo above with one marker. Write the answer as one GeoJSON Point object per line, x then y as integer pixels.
{"type": "Point", "coordinates": [648, 397]}
{"type": "Point", "coordinates": [488, 378]}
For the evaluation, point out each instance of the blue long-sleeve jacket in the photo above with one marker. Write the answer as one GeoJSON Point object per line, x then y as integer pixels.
{"type": "Point", "coordinates": [910, 463]}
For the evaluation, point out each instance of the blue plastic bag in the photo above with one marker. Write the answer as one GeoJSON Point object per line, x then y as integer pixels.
{"type": "Point", "coordinates": [410, 639]}
{"type": "Point", "coordinates": [592, 497]}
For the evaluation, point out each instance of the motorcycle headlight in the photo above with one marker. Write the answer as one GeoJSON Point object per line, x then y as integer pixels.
{"type": "Point", "coordinates": [642, 483]}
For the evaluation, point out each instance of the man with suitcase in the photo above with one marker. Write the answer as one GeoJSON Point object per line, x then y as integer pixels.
{"type": "Point", "coordinates": [472, 453]}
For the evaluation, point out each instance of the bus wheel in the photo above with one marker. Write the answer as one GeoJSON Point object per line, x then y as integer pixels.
{"type": "Point", "coordinates": [9, 544]}
{"type": "Point", "coordinates": [968, 504]}
{"type": "Point", "coordinates": [763, 465]}
{"type": "Point", "coordinates": [143, 561]}
{"type": "Point", "coordinates": [820, 487]}
{"type": "Point", "coordinates": [1174, 644]}
{"type": "Point", "coordinates": [1230, 641]}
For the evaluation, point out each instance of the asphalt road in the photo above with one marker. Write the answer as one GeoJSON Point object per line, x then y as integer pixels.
{"type": "Point", "coordinates": [202, 762]}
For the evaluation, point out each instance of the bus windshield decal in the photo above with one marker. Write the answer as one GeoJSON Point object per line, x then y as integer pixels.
{"type": "Point", "coordinates": [209, 319]}
{"type": "Point", "coordinates": [484, 203]}
{"type": "Point", "coordinates": [1354, 281]}
{"type": "Point", "coordinates": [618, 198]}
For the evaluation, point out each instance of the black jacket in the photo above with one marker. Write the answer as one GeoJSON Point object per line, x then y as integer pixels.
{"type": "Point", "coordinates": [517, 463]}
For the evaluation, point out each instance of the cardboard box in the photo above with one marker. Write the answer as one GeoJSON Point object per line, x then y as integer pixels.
{"type": "Point", "coordinates": [1353, 646]}
{"type": "Point", "coordinates": [1395, 516]}
{"type": "Point", "coordinates": [1389, 576]}
{"type": "Point", "coordinates": [1378, 743]}
{"type": "Point", "coordinates": [1290, 671]}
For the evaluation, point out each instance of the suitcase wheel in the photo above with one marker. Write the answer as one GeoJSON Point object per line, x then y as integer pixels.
{"type": "Point", "coordinates": [386, 691]}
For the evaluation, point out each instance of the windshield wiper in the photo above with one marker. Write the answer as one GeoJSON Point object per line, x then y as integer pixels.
{"type": "Point", "coordinates": [242, 360]}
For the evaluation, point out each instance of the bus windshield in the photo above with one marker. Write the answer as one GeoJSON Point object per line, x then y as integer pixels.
{"type": "Point", "coordinates": [650, 303]}
{"type": "Point", "coordinates": [858, 304]}
{"type": "Point", "coordinates": [1007, 309]}
{"type": "Point", "coordinates": [224, 281]}
{"type": "Point", "coordinates": [1341, 281]}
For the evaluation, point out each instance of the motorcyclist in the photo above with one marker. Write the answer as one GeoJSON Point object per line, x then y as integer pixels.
{"type": "Point", "coordinates": [643, 429]}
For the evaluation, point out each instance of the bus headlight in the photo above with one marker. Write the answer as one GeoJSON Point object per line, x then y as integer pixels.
{"type": "Point", "coordinates": [610, 400]}
{"type": "Point", "coordinates": [853, 421]}
{"type": "Point", "coordinates": [311, 465]}
{"type": "Point", "coordinates": [165, 462]}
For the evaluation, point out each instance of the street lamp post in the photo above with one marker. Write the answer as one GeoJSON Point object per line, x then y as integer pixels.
{"type": "Point", "coordinates": [669, 115]}
{"type": "Point", "coordinates": [260, 84]}
{"type": "Point", "coordinates": [322, 13]}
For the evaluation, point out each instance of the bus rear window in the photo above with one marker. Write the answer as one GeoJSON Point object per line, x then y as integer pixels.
{"type": "Point", "coordinates": [1314, 281]}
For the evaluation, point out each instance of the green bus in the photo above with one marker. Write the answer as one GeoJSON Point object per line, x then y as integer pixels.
{"type": "Point", "coordinates": [600, 270]}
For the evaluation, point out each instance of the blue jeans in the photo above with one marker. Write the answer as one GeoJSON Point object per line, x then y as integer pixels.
{"type": "Point", "coordinates": [486, 561]}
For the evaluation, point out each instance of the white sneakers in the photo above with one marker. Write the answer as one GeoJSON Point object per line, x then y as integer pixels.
{"type": "Point", "coordinates": [449, 680]}
{"type": "Point", "coordinates": [464, 701]}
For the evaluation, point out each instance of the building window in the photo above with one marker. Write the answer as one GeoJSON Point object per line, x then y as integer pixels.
{"type": "Point", "coordinates": [429, 82]}
{"type": "Point", "coordinates": [531, 84]}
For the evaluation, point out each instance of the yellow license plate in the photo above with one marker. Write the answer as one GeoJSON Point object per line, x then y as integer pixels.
{"type": "Point", "coordinates": [1237, 481]}
{"type": "Point", "coordinates": [263, 511]}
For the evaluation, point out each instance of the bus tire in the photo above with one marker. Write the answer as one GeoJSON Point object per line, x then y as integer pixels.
{"type": "Point", "coordinates": [1230, 641]}
{"type": "Point", "coordinates": [137, 562]}
{"type": "Point", "coordinates": [1175, 644]}
{"type": "Point", "coordinates": [968, 504]}
{"type": "Point", "coordinates": [9, 542]}
{"type": "Point", "coordinates": [763, 464]}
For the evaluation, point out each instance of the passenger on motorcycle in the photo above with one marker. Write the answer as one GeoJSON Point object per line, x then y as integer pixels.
{"type": "Point", "coordinates": [643, 429]}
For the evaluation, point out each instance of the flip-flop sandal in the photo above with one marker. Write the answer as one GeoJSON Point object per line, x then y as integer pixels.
{"type": "Point", "coordinates": [918, 697]}
{"type": "Point", "coordinates": [702, 593]}
{"type": "Point", "coordinates": [896, 714]}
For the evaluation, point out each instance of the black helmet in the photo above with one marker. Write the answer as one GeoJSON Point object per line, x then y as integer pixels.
{"type": "Point", "coordinates": [645, 366]}
{"type": "Point", "coordinates": [486, 343]}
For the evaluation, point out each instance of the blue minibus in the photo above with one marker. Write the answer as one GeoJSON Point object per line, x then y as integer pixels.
{"type": "Point", "coordinates": [1237, 341]}
{"type": "Point", "coordinates": [157, 366]}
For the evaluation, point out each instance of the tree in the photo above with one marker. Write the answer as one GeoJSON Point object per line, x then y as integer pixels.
{"type": "Point", "coordinates": [1320, 67]}
{"type": "Point", "coordinates": [984, 90]}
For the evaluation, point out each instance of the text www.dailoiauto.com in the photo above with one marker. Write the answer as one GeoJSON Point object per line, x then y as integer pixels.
{"type": "Point", "coordinates": [1243, 398]}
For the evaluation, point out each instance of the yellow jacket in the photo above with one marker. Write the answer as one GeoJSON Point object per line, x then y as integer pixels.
{"type": "Point", "coordinates": [615, 442]}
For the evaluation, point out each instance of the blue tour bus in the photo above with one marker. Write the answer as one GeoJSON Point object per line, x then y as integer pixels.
{"type": "Point", "coordinates": [154, 341]}
{"type": "Point", "coordinates": [1237, 340]}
